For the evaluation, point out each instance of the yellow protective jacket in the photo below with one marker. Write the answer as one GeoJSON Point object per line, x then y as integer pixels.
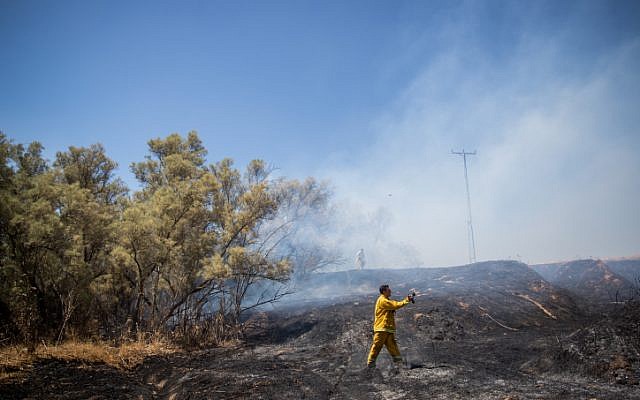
{"type": "Point", "coordinates": [385, 314]}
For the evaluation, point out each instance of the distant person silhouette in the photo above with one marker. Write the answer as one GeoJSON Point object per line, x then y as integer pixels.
{"type": "Point", "coordinates": [360, 259]}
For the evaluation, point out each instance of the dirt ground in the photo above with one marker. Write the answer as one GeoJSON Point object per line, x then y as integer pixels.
{"type": "Point", "coordinates": [463, 346]}
{"type": "Point", "coordinates": [320, 354]}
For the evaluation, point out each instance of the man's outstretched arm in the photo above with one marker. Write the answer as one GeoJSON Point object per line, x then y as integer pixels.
{"type": "Point", "coordinates": [388, 304]}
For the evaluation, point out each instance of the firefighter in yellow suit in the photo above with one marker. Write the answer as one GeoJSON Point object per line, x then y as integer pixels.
{"type": "Point", "coordinates": [384, 326]}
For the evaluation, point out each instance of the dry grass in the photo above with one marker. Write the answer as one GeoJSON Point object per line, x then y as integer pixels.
{"type": "Point", "coordinates": [13, 361]}
{"type": "Point", "coordinates": [16, 359]}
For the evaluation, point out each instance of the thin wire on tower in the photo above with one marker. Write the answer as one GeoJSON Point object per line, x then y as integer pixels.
{"type": "Point", "coordinates": [472, 243]}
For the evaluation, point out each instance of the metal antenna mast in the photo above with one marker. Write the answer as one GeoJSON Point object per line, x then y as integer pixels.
{"type": "Point", "coordinates": [472, 242]}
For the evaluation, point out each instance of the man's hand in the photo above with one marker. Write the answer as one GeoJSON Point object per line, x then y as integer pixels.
{"type": "Point", "coordinates": [411, 297]}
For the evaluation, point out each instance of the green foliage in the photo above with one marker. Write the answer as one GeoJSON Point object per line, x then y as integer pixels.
{"type": "Point", "coordinates": [198, 244]}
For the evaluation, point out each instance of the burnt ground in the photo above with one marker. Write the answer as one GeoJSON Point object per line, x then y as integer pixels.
{"type": "Point", "coordinates": [464, 344]}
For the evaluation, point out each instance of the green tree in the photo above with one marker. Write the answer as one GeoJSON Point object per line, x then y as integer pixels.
{"type": "Point", "coordinates": [33, 237]}
{"type": "Point", "coordinates": [56, 230]}
{"type": "Point", "coordinates": [191, 251]}
{"type": "Point", "coordinates": [90, 208]}
{"type": "Point", "coordinates": [198, 239]}
{"type": "Point", "coordinates": [164, 229]}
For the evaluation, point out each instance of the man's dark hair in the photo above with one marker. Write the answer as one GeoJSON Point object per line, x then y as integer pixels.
{"type": "Point", "coordinates": [383, 288]}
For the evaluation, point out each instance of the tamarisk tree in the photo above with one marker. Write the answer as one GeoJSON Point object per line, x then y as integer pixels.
{"type": "Point", "coordinates": [197, 239]}
{"type": "Point", "coordinates": [189, 252]}
{"type": "Point", "coordinates": [56, 228]}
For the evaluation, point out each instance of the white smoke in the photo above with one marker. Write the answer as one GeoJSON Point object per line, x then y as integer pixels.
{"type": "Point", "coordinates": [557, 170]}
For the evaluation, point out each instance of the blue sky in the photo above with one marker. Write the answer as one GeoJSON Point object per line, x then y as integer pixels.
{"type": "Point", "coordinates": [282, 81]}
{"type": "Point", "coordinates": [370, 96]}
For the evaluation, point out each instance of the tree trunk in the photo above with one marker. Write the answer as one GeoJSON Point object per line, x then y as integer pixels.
{"type": "Point", "coordinates": [137, 321]}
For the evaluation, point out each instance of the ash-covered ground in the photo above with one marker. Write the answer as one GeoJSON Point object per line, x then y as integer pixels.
{"type": "Point", "coordinates": [494, 330]}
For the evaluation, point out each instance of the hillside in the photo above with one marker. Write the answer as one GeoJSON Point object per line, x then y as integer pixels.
{"type": "Point", "coordinates": [491, 330]}
{"type": "Point", "coordinates": [508, 289]}
{"type": "Point", "coordinates": [629, 268]}
{"type": "Point", "coordinates": [592, 279]}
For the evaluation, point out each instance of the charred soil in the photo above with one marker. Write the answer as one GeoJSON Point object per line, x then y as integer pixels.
{"type": "Point", "coordinates": [519, 340]}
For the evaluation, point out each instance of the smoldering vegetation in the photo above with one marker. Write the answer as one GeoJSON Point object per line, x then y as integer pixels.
{"type": "Point", "coordinates": [491, 330]}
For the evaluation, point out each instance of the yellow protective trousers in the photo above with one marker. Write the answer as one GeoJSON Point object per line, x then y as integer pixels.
{"type": "Point", "coordinates": [387, 339]}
